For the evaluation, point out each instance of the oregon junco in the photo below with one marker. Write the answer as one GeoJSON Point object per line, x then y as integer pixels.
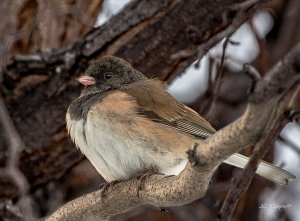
{"type": "Point", "coordinates": [127, 124]}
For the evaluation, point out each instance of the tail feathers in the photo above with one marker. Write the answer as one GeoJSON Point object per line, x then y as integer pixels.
{"type": "Point", "coordinates": [264, 169]}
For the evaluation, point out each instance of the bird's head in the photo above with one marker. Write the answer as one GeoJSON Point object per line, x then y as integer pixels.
{"type": "Point", "coordinates": [108, 73]}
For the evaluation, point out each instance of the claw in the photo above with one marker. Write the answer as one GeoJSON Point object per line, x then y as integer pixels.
{"type": "Point", "coordinates": [106, 186]}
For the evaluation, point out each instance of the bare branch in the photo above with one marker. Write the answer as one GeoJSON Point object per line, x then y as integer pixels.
{"type": "Point", "coordinates": [218, 80]}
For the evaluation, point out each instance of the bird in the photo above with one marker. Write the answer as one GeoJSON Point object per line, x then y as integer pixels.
{"type": "Point", "coordinates": [126, 124]}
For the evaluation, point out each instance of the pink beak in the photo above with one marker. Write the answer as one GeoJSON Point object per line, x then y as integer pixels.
{"type": "Point", "coordinates": [86, 80]}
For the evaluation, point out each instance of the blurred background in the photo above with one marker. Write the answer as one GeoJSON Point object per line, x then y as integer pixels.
{"type": "Point", "coordinates": [34, 26]}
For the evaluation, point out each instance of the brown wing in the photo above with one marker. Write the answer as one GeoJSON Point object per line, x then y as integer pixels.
{"type": "Point", "coordinates": [158, 105]}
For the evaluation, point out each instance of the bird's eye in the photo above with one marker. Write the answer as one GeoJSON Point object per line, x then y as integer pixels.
{"type": "Point", "coordinates": [108, 75]}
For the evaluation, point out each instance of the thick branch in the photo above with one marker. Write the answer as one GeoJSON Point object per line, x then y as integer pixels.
{"type": "Point", "coordinates": [192, 183]}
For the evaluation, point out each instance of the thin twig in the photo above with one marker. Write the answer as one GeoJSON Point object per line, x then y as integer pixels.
{"type": "Point", "coordinates": [240, 185]}
{"type": "Point", "coordinates": [295, 104]}
{"type": "Point", "coordinates": [219, 80]}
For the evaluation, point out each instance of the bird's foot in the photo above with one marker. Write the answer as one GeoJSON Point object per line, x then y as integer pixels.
{"type": "Point", "coordinates": [141, 178]}
{"type": "Point", "coordinates": [106, 186]}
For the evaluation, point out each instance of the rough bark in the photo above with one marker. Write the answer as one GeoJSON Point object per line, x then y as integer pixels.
{"type": "Point", "coordinates": [39, 87]}
{"type": "Point", "coordinates": [192, 183]}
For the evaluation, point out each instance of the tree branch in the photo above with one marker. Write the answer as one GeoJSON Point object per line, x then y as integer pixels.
{"type": "Point", "coordinates": [193, 181]}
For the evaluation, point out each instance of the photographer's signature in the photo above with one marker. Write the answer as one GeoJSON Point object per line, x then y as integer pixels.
{"type": "Point", "coordinates": [274, 206]}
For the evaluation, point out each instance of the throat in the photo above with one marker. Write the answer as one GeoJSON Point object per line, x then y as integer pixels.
{"type": "Point", "coordinates": [80, 107]}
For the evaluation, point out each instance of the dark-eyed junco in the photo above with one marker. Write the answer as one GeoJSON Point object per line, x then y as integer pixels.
{"type": "Point", "coordinates": [127, 124]}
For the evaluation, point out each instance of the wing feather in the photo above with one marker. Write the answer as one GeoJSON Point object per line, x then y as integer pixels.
{"type": "Point", "coordinates": [158, 105]}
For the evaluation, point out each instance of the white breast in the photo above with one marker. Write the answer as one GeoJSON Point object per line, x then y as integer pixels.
{"type": "Point", "coordinates": [114, 157]}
